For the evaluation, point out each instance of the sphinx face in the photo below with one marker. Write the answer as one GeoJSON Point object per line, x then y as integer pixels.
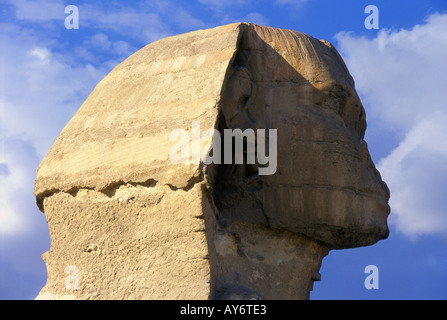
{"type": "Point", "coordinates": [326, 185]}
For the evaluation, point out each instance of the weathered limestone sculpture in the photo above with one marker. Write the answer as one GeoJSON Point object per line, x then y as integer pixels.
{"type": "Point", "coordinates": [135, 225]}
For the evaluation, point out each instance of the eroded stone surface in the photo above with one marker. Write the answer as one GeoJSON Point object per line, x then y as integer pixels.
{"type": "Point", "coordinates": [132, 243]}
{"type": "Point", "coordinates": [137, 226]}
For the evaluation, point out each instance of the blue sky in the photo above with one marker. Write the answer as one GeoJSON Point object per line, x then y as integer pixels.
{"type": "Point", "coordinates": [47, 71]}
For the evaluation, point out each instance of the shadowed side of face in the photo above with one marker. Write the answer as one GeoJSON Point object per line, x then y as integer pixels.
{"type": "Point", "coordinates": [326, 185]}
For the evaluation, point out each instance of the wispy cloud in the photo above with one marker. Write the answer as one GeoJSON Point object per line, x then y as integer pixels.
{"type": "Point", "coordinates": [143, 24]}
{"type": "Point", "coordinates": [222, 4]}
{"type": "Point", "coordinates": [38, 10]}
{"type": "Point", "coordinates": [39, 92]}
{"type": "Point", "coordinates": [257, 18]}
{"type": "Point", "coordinates": [294, 3]}
{"type": "Point", "coordinates": [45, 78]}
{"type": "Point", "coordinates": [146, 21]}
{"type": "Point", "coordinates": [417, 174]}
{"type": "Point", "coordinates": [46, 74]}
{"type": "Point", "coordinates": [18, 158]}
{"type": "Point", "coordinates": [400, 75]}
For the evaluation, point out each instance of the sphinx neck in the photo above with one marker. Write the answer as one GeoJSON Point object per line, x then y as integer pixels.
{"type": "Point", "coordinates": [254, 262]}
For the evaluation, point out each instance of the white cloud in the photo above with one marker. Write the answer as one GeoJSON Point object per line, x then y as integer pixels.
{"type": "Point", "coordinates": [400, 76]}
{"type": "Point", "coordinates": [45, 79]}
{"type": "Point", "coordinates": [41, 53]}
{"type": "Point", "coordinates": [39, 92]}
{"type": "Point", "coordinates": [99, 40]}
{"type": "Point", "coordinates": [146, 21]}
{"type": "Point", "coordinates": [10, 222]}
{"type": "Point", "coordinates": [406, 67]}
{"type": "Point", "coordinates": [185, 20]}
{"type": "Point", "coordinates": [416, 172]}
{"type": "Point", "coordinates": [36, 10]}
{"type": "Point", "coordinates": [17, 205]}
{"type": "Point", "coordinates": [257, 18]}
{"type": "Point", "coordinates": [148, 26]}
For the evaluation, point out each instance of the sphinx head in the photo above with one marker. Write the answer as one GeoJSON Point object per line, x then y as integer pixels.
{"type": "Point", "coordinates": [325, 193]}
{"type": "Point", "coordinates": [212, 230]}
{"type": "Point", "coordinates": [325, 186]}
